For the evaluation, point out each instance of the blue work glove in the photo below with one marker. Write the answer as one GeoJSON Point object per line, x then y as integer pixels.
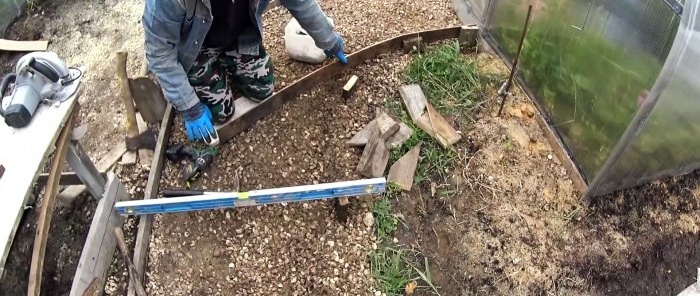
{"type": "Point", "coordinates": [198, 122]}
{"type": "Point", "coordinates": [338, 50]}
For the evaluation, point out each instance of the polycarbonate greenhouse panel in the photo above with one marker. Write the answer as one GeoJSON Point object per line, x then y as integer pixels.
{"type": "Point", "coordinates": [587, 62]}
{"type": "Point", "coordinates": [9, 9]}
{"type": "Point", "coordinates": [664, 139]}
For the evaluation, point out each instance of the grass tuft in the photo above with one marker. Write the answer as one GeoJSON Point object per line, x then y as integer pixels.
{"type": "Point", "coordinates": [390, 270]}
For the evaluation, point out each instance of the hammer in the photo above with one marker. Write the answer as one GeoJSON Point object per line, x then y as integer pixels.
{"type": "Point", "coordinates": [134, 140]}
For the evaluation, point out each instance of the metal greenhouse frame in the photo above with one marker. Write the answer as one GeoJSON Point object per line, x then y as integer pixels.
{"type": "Point", "coordinates": [615, 80]}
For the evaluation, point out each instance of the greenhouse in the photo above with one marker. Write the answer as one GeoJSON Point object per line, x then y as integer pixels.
{"type": "Point", "coordinates": [616, 80]}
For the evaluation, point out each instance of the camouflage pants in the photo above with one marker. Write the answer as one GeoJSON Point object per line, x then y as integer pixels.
{"type": "Point", "coordinates": [217, 71]}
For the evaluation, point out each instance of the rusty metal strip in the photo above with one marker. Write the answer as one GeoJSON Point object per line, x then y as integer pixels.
{"type": "Point", "coordinates": [287, 94]}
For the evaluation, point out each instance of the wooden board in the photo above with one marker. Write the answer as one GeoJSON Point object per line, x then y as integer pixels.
{"type": "Point", "coordinates": [400, 136]}
{"type": "Point", "coordinates": [100, 244]}
{"type": "Point", "coordinates": [48, 203]}
{"type": "Point", "coordinates": [361, 138]}
{"type": "Point", "coordinates": [387, 126]}
{"type": "Point", "coordinates": [240, 123]}
{"type": "Point", "coordinates": [375, 156]}
{"type": "Point", "coordinates": [437, 127]}
{"type": "Point", "coordinates": [13, 45]}
{"type": "Point", "coordinates": [414, 99]}
{"type": "Point", "coordinates": [69, 178]}
{"type": "Point", "coordinates": [24, 153]}
{"type": "Point", "coordinates": [104, 164]}
{"type": "Point", "coordinates": [143, 235]}
{"type": "Point", "coordinates": [403, 170]}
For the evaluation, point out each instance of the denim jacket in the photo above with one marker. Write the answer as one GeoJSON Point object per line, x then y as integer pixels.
{"type": "Point", "coordinates": [175, 30]}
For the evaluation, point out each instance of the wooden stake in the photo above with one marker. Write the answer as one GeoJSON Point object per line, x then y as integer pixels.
{"type": "Point", "coordinates": [468, 36]}
{"type": "Point", "coordinates": [47, 207]}
{"type": "Point", "coordinates": [403, 170]}
{"type": "Point", "coordinates": [349, 88]}
{"type": "Point", "coordinates": [145, 155]}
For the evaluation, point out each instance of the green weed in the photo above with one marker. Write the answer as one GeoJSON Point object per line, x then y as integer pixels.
{"type": "Point", "coordinates": [389, 269]}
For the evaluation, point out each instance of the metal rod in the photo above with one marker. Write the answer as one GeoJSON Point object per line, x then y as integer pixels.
{"type": "Point", "coordinates": [509, 83]}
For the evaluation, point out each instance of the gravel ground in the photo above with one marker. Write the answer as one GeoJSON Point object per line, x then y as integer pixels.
{"type": "Point", "coordinates": [295, 249]}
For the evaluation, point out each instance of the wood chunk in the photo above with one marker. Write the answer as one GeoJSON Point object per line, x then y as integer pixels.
{"type": "Point", "coordinates": [375, 156]}
{"type": "Point", "coordinates": [100, 243]}
{"type": "Point", "coordinates": [414, 99]}
{"type": "Point", "coordinates": [411, 44]}
{"type": "Point", "coordinates": [387, 126]}
{"type": "Point", "coordinates": [13, 45]}
{"type": "Point", "coordinates": [104, 164]}
{"type": "Point", "coordinates": [468, 36]}
{"type": "Point", "coordinates": [145, 155]}
{"type": "Point", "coordinates": [437, 127]}
{"type": "Point", "coordinates": [361, 138]}
{"type": "Point", "coordinates": [403, 170]}
{"type": "Point", "coordinates": [400, 136]}
{"type": "Point", "coordinates": [349, 87]}
{"type": "Point", "coordinates": [129, 158]}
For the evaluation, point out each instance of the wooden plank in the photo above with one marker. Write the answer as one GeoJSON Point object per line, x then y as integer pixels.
{"type": "Point", "coordinates": [437, 127]}
{"type": "Point", "coordinates": [361, 138]}
{"type": "Point", "coordinates": [145, 155]}
{"type": "Point", "coordinates": [47, 206]}
{"type": "Point", "coordinates": [240, 123]}
{"type": "Point", "coordinates": [24, 153]}
{"type": "Point", "coordinates": [104, 164]}
{"type": "Point", "coordinates": [95, 288]}
{"type": "Point", "coordinates": [100, 244]}
{"type": "Point", "coordinates": [13, 45]}
{"type": "Point", "coordinates": [403, 170]}
{"type": "Point", "coordinates": [143, 235]}
{"type": "Point", "coordinates": [387, 126]}
{"type": "Point", "coordinates": [375, 156]}
{"type": "Point", "coordinates": [414, 99]}
{"type": "Point", "coordinates": [68, 178]}
{"type": "Point", "coordinates": [400, 136]}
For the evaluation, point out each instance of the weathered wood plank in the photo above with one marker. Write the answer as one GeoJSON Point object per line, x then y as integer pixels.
{"type": "Point", "coordinates": [400, 136]}
{"type": "Point", "coordinates": [403, 170]}
{"type": "Point", "coordinates": [13, 45]}
{"type": "Point", "coordinates": [414, 99]}
{"type": "Point", "coordinates": [104, 164]}
{"type": "Point", "coordinates": [68, 178]}
{"type": "Point", "coordinates": [375, 157]}
{"type": "Point", "coordinates": [387, 125]}
{"type": "Point", "coordinates": [47, 206]}
{"type": "Point", "coordinates": [143, 235]}
{"type": "Point", "coordinates": [437, 127]}
{"type": "Point", "coordinates": [100, 244]}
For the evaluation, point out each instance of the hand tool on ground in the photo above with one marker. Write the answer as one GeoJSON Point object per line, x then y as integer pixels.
{"type": "Point", "coordinates": [38, 77]}
{"type": "Point", "coordinates": [200, 159]}
{"type": "Point", "coordinates": [503, 92]}
{"type": "Point", "coordinates": [219, 200]}
{"type": "Point", "coordinates": [133, 274]}
{"type": "Point", "coordinates": [134, 139]}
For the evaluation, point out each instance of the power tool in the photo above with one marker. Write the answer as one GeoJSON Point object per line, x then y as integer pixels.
{"type": "Point", "coordinates": [200, 159]}
{"type": "Point", "coordinates": [38, 77]}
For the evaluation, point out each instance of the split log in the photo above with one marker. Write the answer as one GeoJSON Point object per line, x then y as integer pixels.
{"type": "Point", "coordinates": [403, 170]}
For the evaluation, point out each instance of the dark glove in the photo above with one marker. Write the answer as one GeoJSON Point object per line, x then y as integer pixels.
{"type": "Point", "coordinates": [338, 50]}
{"type": "Point", "coordinates": [198, 122]}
